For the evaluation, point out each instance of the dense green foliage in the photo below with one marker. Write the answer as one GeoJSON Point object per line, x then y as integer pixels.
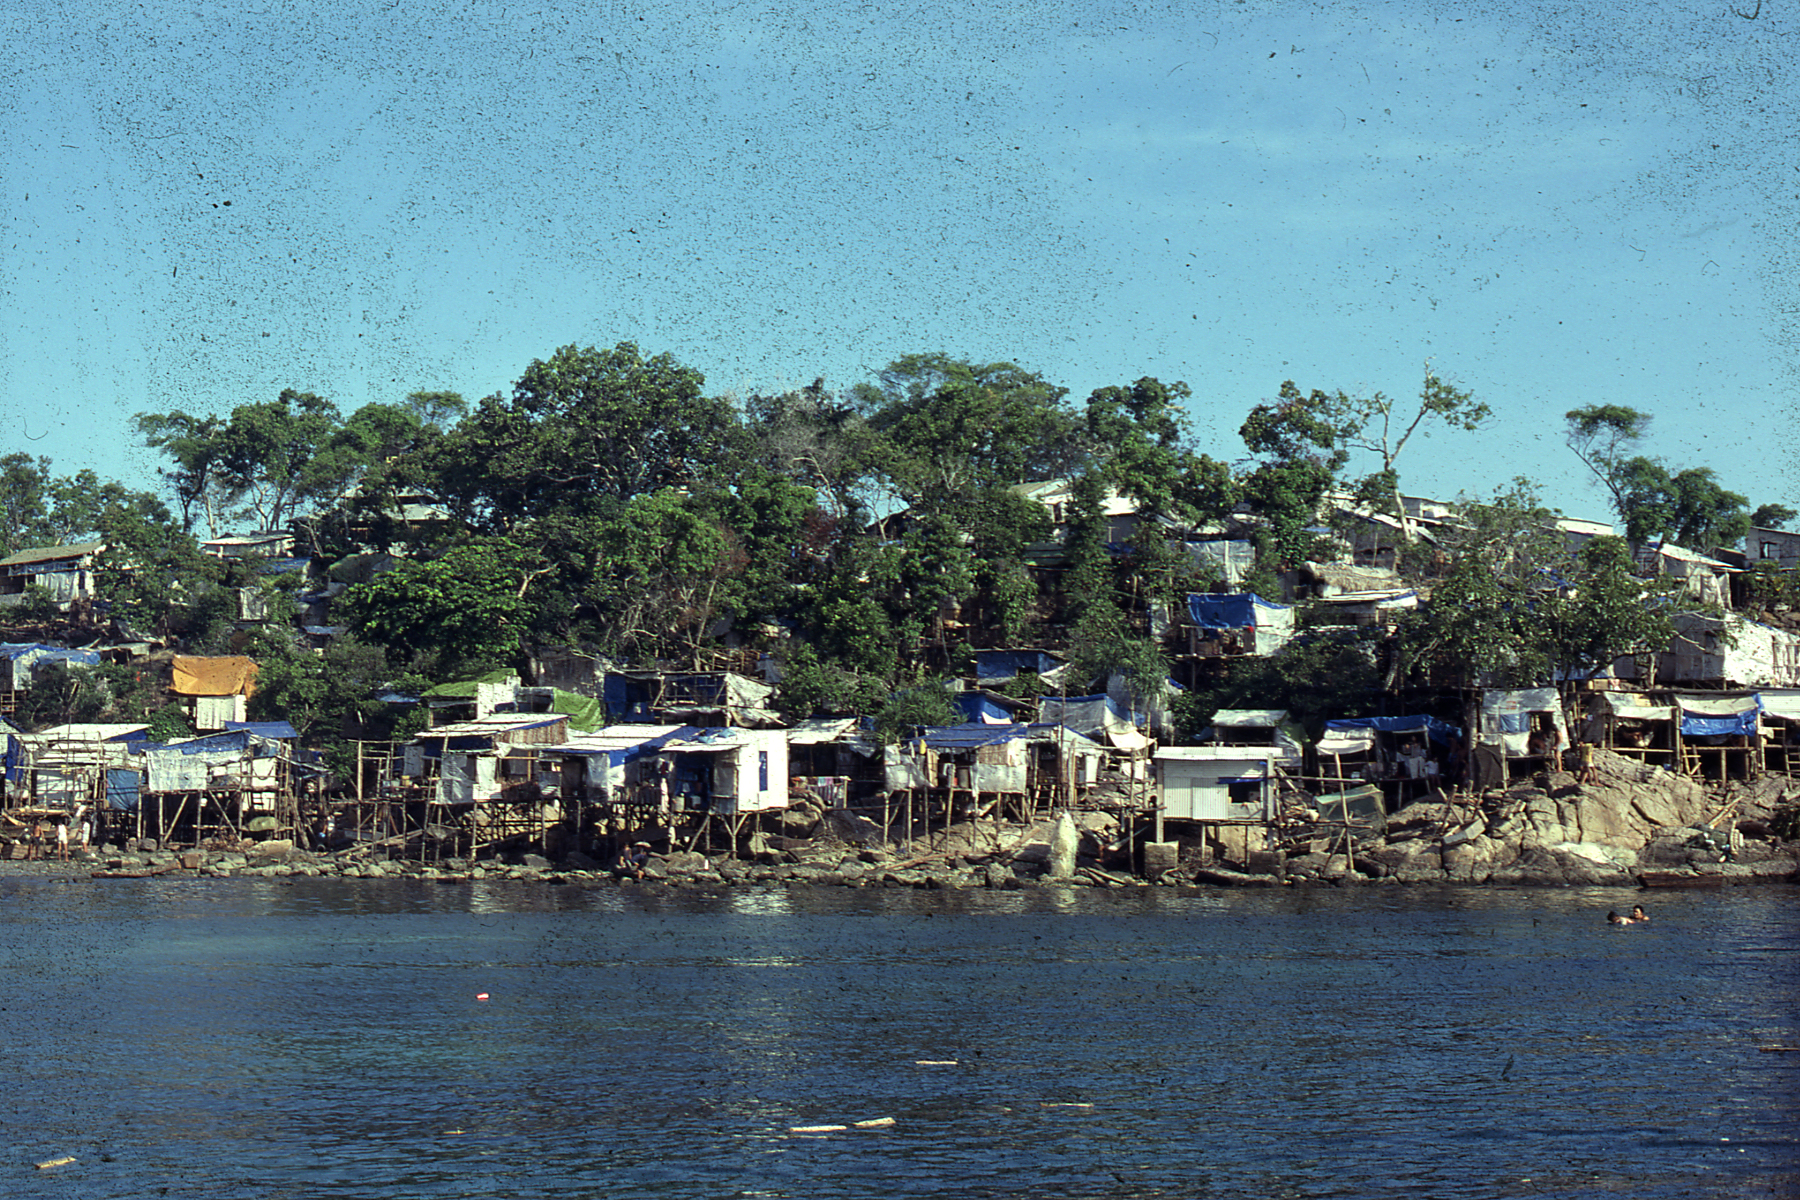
{"type": "Point", "coordinates": [869, 541]}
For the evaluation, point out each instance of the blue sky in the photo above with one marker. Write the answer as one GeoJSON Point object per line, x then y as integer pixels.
{"type": "Point", "coordinates": [1555, 208]}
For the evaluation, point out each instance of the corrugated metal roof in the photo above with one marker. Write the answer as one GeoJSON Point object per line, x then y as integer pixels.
{"type": "Point", "coordinates": [52, 553]}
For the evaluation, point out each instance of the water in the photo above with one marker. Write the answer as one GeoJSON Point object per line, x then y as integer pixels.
{"type": "Point", "coordinates": [304, 1038]}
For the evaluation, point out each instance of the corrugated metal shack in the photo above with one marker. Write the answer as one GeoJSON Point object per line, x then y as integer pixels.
{"type": "Point", "coordinates": [235, 782]}
{"type": "Point", "coordinates": [977, 770]}
{"type": "Point", "coordinates": [471, 784]}
{"type": "Point", "coordinates": [626, 779]}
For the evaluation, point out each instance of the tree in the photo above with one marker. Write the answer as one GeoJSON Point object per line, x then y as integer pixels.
{"type": "Point", "coordinates": [24, 503]}
{"type": "Point", "coordinates": [815, 439]}
{"type": "Point", "coordinates": [450, 616]}
{"type": "Point", "coordinates": [585, 431]}
{"type": "Point", "coordinates": [1772, 516]}
{"type": "Point", "coordinates": [194, 445]}
{"type": "Point", "coordinates": [658, 571]}
{"type": "Point", "coordinates": [946, 428]}
{"type": "Point", "coordinates": [1686, 507]}
{"type": "Point", "coordinates": [1604, 436]}
{"type": "Point", "coordinates": [923, 704]}
{"type": "Point", "coordinates": [151, 566]}
{"type": "Point", "coordinates": [1612, 614]}
{"type": "Point", "coordinates": [1496, 604]}
{"type": "Point", "coordinates": [1300, 440]}
{"type": "Point", "coordinates": [1372, 423]}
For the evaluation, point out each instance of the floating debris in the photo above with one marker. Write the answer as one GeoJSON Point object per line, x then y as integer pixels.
{"type": "Point", "coordinates": [55, 1162]}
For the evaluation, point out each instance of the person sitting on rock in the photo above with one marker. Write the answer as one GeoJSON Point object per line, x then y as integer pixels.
{"type": "Point", "coordinates": [632, 859]}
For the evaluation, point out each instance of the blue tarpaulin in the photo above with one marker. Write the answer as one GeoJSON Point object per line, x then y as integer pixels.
{"type": "Point", "coordinates": [1005, 664]}
{"type": "Point", "coordinates": [977, 707]}
{"type": "Point", "coordinates": [1441, 732]}
{"type": "Point", "coordinates": [25, 659]}
{"type": "Point", "coordinates": [122, 789]}
{"type": "Point", "coordinates": [970, 736]}
{"type": "Point", "coordinates": [1237, 611]}
{"type": "Point", "coordinates": [280, 730]}
{"type": "Point", "coordinates": [1711, 722]}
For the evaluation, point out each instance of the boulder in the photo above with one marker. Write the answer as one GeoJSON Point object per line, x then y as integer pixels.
{"type": "Point", "coordinates": [1063, 844]}
{"type": "Point", "coordinates": [1535, 866]}
{"type": "Point", "coordinates": [1473, 860]}
{"type": "Point", "coordinates": [1160, 857]}
{"type": "Point", "coordinates": [800, 820]}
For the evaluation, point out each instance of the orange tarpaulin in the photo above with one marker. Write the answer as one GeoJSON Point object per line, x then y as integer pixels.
{"type": "Point", "coordinates": [233, 675]}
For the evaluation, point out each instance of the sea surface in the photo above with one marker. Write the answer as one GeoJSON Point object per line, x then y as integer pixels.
{"type": "Point", "coordinates": [305, 1038]}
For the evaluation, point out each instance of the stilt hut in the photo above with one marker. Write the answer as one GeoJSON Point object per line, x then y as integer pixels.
{"type": "Point", "coordinates": [1781, 730]}
{"type": "Point", "coordinates": [1526, 725]}
{"type": "Point", "coordinates": [1633, 725]}
{"type": "Point", "coordinates": [626, 778]}
{"type": "Point", "coordinates": [1721, 735]}
{"type": "Point", "coordinates": [482, 782]}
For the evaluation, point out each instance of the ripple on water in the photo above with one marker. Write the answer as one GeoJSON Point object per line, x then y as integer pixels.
{"type": "Point", "coordinates": [250, 1039]}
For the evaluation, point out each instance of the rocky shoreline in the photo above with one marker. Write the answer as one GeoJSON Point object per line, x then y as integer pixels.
{"type": "Point", "coordinates": [1628, 825]}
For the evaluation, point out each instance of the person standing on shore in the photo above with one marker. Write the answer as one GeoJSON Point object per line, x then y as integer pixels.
{"type": "Point", "coordinates": [62, 841]}
{"type": "Point", "coordinates": [35, 847]}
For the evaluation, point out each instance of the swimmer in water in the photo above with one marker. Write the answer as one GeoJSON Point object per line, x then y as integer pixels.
{"type": "Point", "coordinates": [1638, 913]}
{"type": "Point", "coordinates": [1613, 918]}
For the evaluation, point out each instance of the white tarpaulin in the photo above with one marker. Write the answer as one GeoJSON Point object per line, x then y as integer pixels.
{"type": "Point", "coordinates": [1782, 703]}
{"type": "Point", "coordinates": [465, 778]}
{"type": "Point", "coordinates": [1347, 741]}
{"type": "Point", "coordinates": [998, 777]}
{"type": "Point", "coordinates": [1717, 706]}
{"type": "Point", "coordinates": [1637, 707]}
{"type": "Point", "coordinates": [172, 771]}
{"type": "Point", "coordinates": [903, 770]}
{"type": "Point", "coordinates": [1091, 716]}
{"type": "Point", "coordinates": [1506, 718]}
{"type": "Point", "coordinates": [1253, 718]}
{"type": "Point", "coordinates": [211, 712]}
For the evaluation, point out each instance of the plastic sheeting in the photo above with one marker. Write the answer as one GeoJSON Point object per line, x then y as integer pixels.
{"type": "Point", "coordinates": [217, 712]}
{"type": "Point", "coordinates": [977, 707]}
{"type": "Point", "coordinates": [1784, 704]}
{"type": "Point", "coordinates": [1242, 610]}
{"type": "Point", "coordinates": [24, 659]}
{"type": "Point", "coordinates": [992, 665]}
{"type": "Point", "coordinates": [1710, 717]}
{"type": "Point", "coordinates": [123, 789]}
{"type": "Point", "coordinates": [904, 770]}
{"type": "Point", "coordinates": [1091, 716]}
{"type": "Point", "coordinates": [231, 675]}
{"type": "Point", "coordinates": [277, 730]}
{"type": "Point", "coordinates": [465, 778]}
{"type": "Point", "coordinates": [1346, 741]}
{"type": "Point", "coordinates": [1441, 732]}
{"type": "Point", "coordinates": [1231, 559]}
{"type": "Point", "coordinates": [170, 769]}
{"type": "Point", "coordinates": [1636, 706]}
{"type": "Point", "coordinates": [1506, 718]}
